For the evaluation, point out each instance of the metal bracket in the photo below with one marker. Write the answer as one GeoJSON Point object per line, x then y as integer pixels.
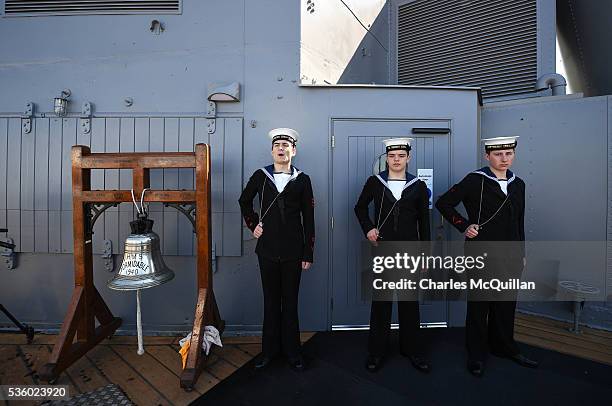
{"type": "Point", "coordinates": [8, 253]}
{"type": "Point", "coordinates": [92, 212]}
{"type": "Point", "coordinates": [86, 118]}
{"type": "Point", "coordinates": [27, 117]}
{"type": "Point", "coordinates": [211, 115]}
{"type": "Point", "coordinates": [107, 255]}
{"type": "Point", "coordinates": [188, 209]}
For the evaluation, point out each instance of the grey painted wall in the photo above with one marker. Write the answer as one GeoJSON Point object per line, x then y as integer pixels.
{"type": "Point", "coordinates": [103, 60]}
{"type": "Point", "coordinates": [564, 157]}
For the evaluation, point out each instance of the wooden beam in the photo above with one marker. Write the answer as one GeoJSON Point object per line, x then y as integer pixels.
{"type": "Point", "coordinates": [119, 196]}
{"type": "Point", "coordinates": [193, 364]}
{"type": "Point", "coordinates": [137, 160]}
{"type": "Point", "coordinates": [203, 217]}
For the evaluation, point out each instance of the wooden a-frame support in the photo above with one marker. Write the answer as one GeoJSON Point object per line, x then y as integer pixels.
{"type": "Point", "coordinates": [78, 333]}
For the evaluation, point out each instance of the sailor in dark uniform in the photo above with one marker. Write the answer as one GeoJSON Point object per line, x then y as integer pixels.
{"type": "Point", "coordinates": [401, 211]}
{"type": "Point", "coordinates": [284, 228]}
{"type": "Point", "coordinates": [494, 199]}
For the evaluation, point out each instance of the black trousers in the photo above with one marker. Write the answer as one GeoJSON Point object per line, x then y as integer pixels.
{"type": "Point", "coordinates": [489, 326]}
{"type": "Point", "coordinates": [281, 284]}
{"type": "Point", "coordinates": [380, 326]}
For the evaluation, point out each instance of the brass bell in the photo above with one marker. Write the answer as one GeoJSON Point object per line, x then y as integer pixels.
{"type": "Point", "coordinates": [143, 266]}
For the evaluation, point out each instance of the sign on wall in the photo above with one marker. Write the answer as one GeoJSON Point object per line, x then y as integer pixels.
{"type": "Point", "coordinates": [426, 175]}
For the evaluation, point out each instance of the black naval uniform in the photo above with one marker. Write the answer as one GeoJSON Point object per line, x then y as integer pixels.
{"type": "Point", "coordinates": [490, 324]}
{"type": "Point", "coordinates": [287, 240]}
{"type": "Point", "coordinates": [408, 221]}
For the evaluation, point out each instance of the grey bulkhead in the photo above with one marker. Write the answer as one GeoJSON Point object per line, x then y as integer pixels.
{"type": "Point", "coordinates": [106, 59]}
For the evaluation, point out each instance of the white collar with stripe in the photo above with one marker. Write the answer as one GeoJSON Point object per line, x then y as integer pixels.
{"type": "Point", "coordinates": [386, 184]}
{"type": "Point", "coordinates": [270, 168]}
{"type": "Point", "coordinates": [486, 172]}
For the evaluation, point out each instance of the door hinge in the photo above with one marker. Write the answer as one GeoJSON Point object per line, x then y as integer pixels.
{"type": "Point", "coordinates": [332, 222]}
{"type": "Point", "coordinates": [333, 141]}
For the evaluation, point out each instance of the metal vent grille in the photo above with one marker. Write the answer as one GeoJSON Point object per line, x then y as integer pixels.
{"type": "Point", "coordinates": [487, 43]}
{"type": "Point", "coordinates": [65, 7]}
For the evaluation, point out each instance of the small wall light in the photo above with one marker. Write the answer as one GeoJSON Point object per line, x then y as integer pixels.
{"type": "Point", "coordinates": [60, 104]}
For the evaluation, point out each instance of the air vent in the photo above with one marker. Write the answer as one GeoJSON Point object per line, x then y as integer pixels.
{"type": "Point", "coordinates": [62, 7]}
{"type": "Point", "coordinates": [491, 44]}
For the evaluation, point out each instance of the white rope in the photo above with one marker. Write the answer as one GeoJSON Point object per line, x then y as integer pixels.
{"type": "Point", "coordinates": [140, 210]}
{"type": "Point", "coordinates": [479, 224]}
{"type": "Point", "coordinates": [139, 324]}
{"type": "Point", "coordinates": [379, 224]}
{"type": "Point", "coordinates": [271, 203]}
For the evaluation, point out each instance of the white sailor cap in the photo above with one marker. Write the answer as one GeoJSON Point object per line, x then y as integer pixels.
{"type": "Point", "coordinates": [507, 142]}
{"type": "Point", "coordinates": [287, 134]}
{"type": "Point", "coordinates": [393, 144]}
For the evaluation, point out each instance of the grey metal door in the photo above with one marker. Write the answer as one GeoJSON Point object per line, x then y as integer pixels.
{"type": "Point", "coordinates": [357, 145]}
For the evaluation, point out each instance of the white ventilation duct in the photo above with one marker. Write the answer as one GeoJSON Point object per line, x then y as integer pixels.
{"type": "Point", "coordinates": [553, 81]}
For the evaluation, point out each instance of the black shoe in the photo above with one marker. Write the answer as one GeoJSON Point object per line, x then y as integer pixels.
{"type": "Point", "coordinates": [297, 364]}
{"type": "Point", "coordinates": [524, 361]}
{"type": "Point", "coordinates": [476, 368]}
{"type": "Point", "coordinates": [373, 363]}
{"type": "Point", "coordinates": [262, 361]}
{"type": "Point", "coordinates": [420, 363]}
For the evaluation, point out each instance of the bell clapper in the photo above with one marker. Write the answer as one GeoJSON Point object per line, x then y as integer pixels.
{"type": "Point", "coordinates": [139, 324]}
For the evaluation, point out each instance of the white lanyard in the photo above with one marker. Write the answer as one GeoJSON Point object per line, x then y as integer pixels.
{"type": "Point", "coordinates": [480, 206]}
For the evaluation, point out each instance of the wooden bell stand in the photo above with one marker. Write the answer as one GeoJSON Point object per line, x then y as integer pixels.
{"type": "Point", "coordinates": [86, 304]}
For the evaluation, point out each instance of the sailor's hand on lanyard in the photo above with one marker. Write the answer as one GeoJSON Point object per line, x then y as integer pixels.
{"type": "Point", "coordinates": [306, 265]}
{"type": "Point", "coordinates": [373, 235]}
{"type": "Point", "coordinates": [258, 230]}
{"type": "Point", "coordinates": [471, 231]}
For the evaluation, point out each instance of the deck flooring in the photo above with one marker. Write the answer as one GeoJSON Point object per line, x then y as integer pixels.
{"type": "Point", "coordinates": [153, 378]}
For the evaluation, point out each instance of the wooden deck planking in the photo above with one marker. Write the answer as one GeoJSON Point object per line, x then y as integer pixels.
{"type": "Point", "coordinates": [154, 377]}
{"type": "Point", "coordinates": [155, 374]}
{"type": "Point", "coordinates": [233, 355]}
{"type": "Point", "coordinates": [591, 344]}
{"type": "Point", "coordinates": [252, 349]}
{"type": "Point", "coordinates": [169, 357]}
{"type": "Point", "coordinates": [576, 341]}
{"type": "Point", "coordinates": [124, 375]}
{"type": "Point", "coordinates": [561, 325]}
{"type": "Point", "coordinates": [220, 368]}
{"type": "Point", "coordinates": [86, 376]}
{"type": "Point", "coordinates": [14, 371]}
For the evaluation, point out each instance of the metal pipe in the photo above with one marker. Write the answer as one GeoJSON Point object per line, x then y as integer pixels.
{"type": "Point", "coordinates": [552, 80]}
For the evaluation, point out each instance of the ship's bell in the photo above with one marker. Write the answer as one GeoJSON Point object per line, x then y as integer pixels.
{"type": "Point", "coordinates": [143, 266]}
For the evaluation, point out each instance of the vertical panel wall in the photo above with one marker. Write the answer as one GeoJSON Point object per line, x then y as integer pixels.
{"type": "Point", "coordinates": [36, 199]}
